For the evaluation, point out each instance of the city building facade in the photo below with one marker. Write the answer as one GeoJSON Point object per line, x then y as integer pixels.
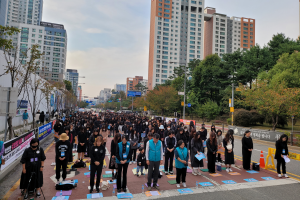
{"type": "Point", "coordinates": [72, 75]}
{"type": "Point", "coordinates": [131, 82]}
{"type": "Point", "coordinates": [176, 30]}
{"type": "Point", "coordinates": [120, 87]}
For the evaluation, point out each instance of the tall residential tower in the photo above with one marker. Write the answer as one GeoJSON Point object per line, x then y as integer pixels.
{"type": "Point", "coordinates": [176, 29]}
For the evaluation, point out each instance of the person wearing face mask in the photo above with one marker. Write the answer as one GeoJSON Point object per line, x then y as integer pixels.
{"type": "Point", "coordinates": [62, 153]}
{"type": "Point", "coordinates": [33, 164]}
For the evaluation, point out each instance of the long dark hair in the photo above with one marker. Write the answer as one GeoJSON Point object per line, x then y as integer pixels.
{"type": "Point", "coordinates": [193, 132]}
{"type": "Point", "coordinates": [117, 138]}
{"type": "Point", "coordinates": [213, 128]}
{"type": "Point", "coordinates": [212, 138]}
{"type": "Point", "coordinates": [196, 139]}
{"type": "Point", "coordinates": [228, 134]}
{"type": "Point", "coordinates": [284, 136]}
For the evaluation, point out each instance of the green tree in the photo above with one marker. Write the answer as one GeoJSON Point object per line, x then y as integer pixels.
{"type": "Point", "coordinates": [141, 87]}
{"type": "Point", "coordinates": [68, 85]}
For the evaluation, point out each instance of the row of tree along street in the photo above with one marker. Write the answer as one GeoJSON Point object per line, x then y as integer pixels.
{"type": "Point", "coordinates": [22, 66]}
{"type": "Point", "coordinates": [268, 79]}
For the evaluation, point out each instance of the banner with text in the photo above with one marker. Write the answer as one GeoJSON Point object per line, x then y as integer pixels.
{"type": "Point", "coordinates": [45, 130]}
{"type": "Point", "coordinates": [14, 148]}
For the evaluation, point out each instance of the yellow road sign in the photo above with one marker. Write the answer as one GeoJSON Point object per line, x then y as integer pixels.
{"type": "Point", "coordinates": [231, 109]}
{"type": "Point", "coordinates": [182, 103]}
{"type": "Point", "coordinates": [145, 108]}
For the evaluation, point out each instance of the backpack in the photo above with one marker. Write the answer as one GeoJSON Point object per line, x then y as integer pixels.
{"type": "Point", "coordinates": [67, 186]}
{"type": "Point", "coordinates": [79, 165]}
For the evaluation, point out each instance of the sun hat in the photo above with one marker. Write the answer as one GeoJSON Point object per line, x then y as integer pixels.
{"type": "Point", "coordinates": [64, 136]}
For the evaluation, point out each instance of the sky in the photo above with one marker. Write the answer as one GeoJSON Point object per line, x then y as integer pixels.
{"type": "Point", "coordinates": [108, 40]}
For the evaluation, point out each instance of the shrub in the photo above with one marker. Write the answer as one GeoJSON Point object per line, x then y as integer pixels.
{"type": "Point", "coordinates": [229, 121]}
{"type": "Point", "coordinates": [242, 118]}
{"type": "Point", "coordinates": [256, 118]}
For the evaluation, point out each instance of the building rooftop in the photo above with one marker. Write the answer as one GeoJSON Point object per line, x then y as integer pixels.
{"type": "Point", "coordinates": [52, 25]}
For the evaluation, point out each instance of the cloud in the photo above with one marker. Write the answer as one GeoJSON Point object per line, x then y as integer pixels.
{"type": "Point", "coordinates": [93, 30]}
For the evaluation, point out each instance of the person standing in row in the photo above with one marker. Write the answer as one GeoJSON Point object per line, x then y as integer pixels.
{"type": "Point", "coordinates": [81, 143]}
{"type": "Point", "coordinates": [196, 148]}
{"type": "Point", "coordinates": [154, 157]}
{"type": "Point", "coordinates": [25, 118]}
{"type": "Point", "coordinates": [181, 163]}
{"type": "Point", "coordinates": [123, 154]}
{"type": "Point", "coordinates": [247, 147]}
{"type": "Point", "coordinates": [56, 128]}
{"type": "Point", "coordinates": [97, 155]}
{"type": "Point", "coordinates": [219, 141]}
{"type": "Point", "coordinates": [113, 163]}
{"type": "Point", "coordinates": [228, 144]}
{"type": "Point", "coordinates": [212, 148]}
{"type": "Point", "coordinates": [281, 151]}
{"type": "Point", "coordinates": [141, 162]}
{"type": "Point", "coordinates": [134, 141]}
{"type": "Point", "coordinates": [33, 164]}
{"type": "Point", "coordinates": [62, 153]}
{"type": "Point", "coordinates": [170, 143]}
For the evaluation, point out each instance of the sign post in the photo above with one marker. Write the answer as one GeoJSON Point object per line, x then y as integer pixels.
{"type": "Point", "coordinates": [133, 94]}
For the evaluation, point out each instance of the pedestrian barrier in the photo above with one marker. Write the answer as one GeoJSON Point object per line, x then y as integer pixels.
{"type": "Point", "coordinates": [272, 151]}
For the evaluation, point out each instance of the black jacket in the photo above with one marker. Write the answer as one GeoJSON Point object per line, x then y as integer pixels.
{"type": "Point", "coordinates": [82, 137]}
{"type": "Point", "coordinates": [181, 137]}
{"type": "Point", "coordinates": [279, 147]}
{"type": "Point", "coordinates": [211, 148]}
{"type": "Point", "coordinates": [141, 159]}
{"type": "Point", "coordinates": [247, 143]}
{"type": "Point", "coordinates": [97, 153]}
{"type": "Point", "coordinates": [65, 147]}
{"type": "Point", "coordinates": [170, 142]}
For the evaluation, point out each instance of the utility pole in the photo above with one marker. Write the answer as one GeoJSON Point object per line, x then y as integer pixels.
{"type": "Point", "coordinates": [132, 105]}
{"type": "Point", "coordinates": [184, 91]}
{"type": "Point", "coordinates": [232, 102]}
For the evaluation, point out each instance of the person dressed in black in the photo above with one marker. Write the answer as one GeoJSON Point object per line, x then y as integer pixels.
{"type": "Point", "coordinates": [228, 143]}
{"type": "Point", "coordinates": [113, 163]}
{"type": "Point", "coordinates": [42, 117]}
{"type": "Point", "coordinates": [81, 143]}
{"type": "Point", "coordinates": [33, 164]}
{"type": "Point", "coordinates": [62, 153]}
{"type": "Point", "coordinates": [247, 147]}
{"type": "Point", "coordinates": [196, 148]}
{"type": "Point", "coordinates": [70, 135]}
{"type": "Point", "coordinates": [281, 151]}
{"type": "Point", "coordinates": [212, 148]}
{"type": "Point", "coordinates": [170, 145]}
{"type": "Point", "coordinates": [123, 154]}
{"type": "Point", "coordinates": [97, 154]}
{"type": "Point", "coordinates": [181, 136]}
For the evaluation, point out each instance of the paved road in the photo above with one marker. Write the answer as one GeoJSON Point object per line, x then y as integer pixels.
{"type": "Point", "coordinates": [293, 168]}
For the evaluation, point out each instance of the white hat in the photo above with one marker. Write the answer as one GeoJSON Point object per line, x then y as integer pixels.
{"type": "Point", "coordinates": [161, 127]}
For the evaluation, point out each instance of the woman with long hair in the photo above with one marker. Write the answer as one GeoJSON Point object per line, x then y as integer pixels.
{"type": "Point", "coordinates": [219, 141]}
{"type": "Point", "coordinates": [113, 163]}
{"type": "Point", "coordinates": [212, 148]}
{"type": "Point", "coordinates": [191, 136]}
{"type": "Point", "coordinates": [97, 154]}
{"type": "Point", "coordinates": [228, 143]}
{"type": "Point", "coordinates": [196, 148]}
{"type": "Point", "coordinates": [247, 147]}
{"type": "Point", "coordinates": [134, 141]}
{"type": "Point", "coordinates": [281, 151]}
{"type": "Point", "coordinates": [213, 128]}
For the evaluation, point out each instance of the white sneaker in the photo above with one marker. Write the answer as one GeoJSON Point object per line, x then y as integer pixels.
{"type": "Point", "coordinates": [230, 169]}
{"type": "Point", "coordinates": [279, 175]}
{"type": "Point", "coordinates": [194, 172]}
{"type": "Point", "coordinates": [227, 170]}
{"type": "Point", "coordinates": [178, 185]}
{"type": "Point", "coordinates": [166, 173]}
{"type": "Point", "coordinates": [285, 175]}
{"type": "Point", "coordinates": [184, 185]}
{"type": "Point", "coordinates": [199, 172]}
{"type": "Point", "coordinates": [130, 163]}
{"type": "Point", "coordinates": [134, 162]}
{"type": "Point", "coordinates": [58, 182]}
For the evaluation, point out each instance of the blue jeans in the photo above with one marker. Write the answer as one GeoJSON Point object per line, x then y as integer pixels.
{"type": "Point", "coordinates": [140, 168]}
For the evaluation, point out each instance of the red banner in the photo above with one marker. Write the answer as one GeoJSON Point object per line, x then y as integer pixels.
{"type": "Point", "coordinates": [187, 122]}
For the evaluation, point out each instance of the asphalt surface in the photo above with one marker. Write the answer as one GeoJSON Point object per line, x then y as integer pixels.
{"type": "Point", "coordinates": [286, 192]}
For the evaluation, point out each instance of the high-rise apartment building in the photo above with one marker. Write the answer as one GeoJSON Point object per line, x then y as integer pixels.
{"type": "Point", "coordinates": [226, 35]}
{"type": "Point", "coordinates": [72, 75]}
{"type": "Point", "coordinates": [132, 82]}
{"type": "Point", "coordinates": [176, 30]}
{"type": "Point", "coordinates": [21, 11]}
{"type": "Point", "coordinates": [120, 87]}
{"type": "Point", "coordinates": [26, 15]}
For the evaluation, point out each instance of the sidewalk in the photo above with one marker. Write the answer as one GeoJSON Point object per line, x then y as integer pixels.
{"type": "Point", "coordinates": [135, 183]}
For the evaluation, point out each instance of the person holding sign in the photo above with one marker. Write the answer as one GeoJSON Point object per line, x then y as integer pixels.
{"type": "Point", "coordinates": [196, 148]}
{"type": "Point", "coordinates": [212, 148]}
{"type": "Point", "coordinates": [228, 144]}
{"type": "Point", "coordinates": [97, 154]}
{"type": "Point", "coordinates": [181, 163]}
{"type": "Point", "coordinates": [123, 154]}
{"type": "Point", "coordinates": [62, 152]}
{"type": "Point", "coordinates": [282, 152]}
{"type": "Point", "coordinates": [33, 164]}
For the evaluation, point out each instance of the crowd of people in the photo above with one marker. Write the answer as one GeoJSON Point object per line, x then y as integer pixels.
{"type": "Point", "coordinates": [146, 143]}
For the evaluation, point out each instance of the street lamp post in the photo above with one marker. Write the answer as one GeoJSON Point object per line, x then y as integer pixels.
{"type": "Point", "coordinates": [183, 116]}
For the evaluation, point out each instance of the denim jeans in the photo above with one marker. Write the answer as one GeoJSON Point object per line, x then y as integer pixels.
{"type": "Point", "coordinates": [138, 168]}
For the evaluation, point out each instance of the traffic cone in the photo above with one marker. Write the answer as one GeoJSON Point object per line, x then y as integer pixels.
{"type": "Point", "coordinates": [262, 160]}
